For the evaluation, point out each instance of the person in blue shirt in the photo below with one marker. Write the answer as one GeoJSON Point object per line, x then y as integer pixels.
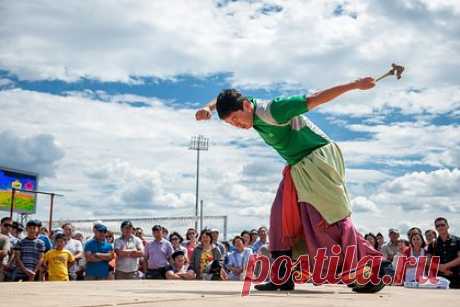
{"type": "Point", "coordinates": [98, 253]}
{"type": "Point", "coordinates": [238, 259]}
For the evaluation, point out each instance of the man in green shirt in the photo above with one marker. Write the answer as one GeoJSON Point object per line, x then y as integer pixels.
{"type": "Point", "coordinates": [312, 202]}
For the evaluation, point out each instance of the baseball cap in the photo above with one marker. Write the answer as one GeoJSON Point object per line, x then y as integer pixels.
{"type": "Point", "coordinates": [100, 228]}
{"type": "Point", "coordinates": [126, 223]}
{"type": "Point", "coordinates": [215, 230]}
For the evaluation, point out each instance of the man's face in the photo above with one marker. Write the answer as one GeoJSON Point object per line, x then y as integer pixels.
{"type": "Point", "coordinates": [380, 240]}
{"type": "Point", "coordinates": [6, 227]}
{"type": "Point", "coordinates": [32, 231]}
{"type": "Point", "coordinates": [158, 234]}
{"type": "Point", "coordinates": [100, 235]}
{"type": "Point", "coordinates": [242, 118]}
{"type": "Point", "coordinates": [127, 231]}
{"type": "Point", "coordinates": [215, 236]}
{"type": "Point", "coordinates": [442, 227]}
{"type": "Point", "coordinates": [60, 243]}
{"type": "Point", "coordinates": [394, 236]}
{"type": "Point", "coordinates": [239, 245]}
{"type": "Point", "coordinates": [429, 236]}
{"type": "Point", "coordinates": [262, 234]}
{"type": "Point", "coordinates": [179, 261]}
{"type": "Point", "coordinates": [67, 231]}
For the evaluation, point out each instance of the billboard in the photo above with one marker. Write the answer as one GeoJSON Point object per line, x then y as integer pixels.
{"type": "Point", "coordinates": [24, 202]}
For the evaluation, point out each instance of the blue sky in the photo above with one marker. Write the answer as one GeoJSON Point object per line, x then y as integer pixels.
{"type": "Point", "coordinates": [99, 99]}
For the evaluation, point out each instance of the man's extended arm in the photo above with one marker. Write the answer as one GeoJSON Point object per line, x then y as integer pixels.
{"type": "Point", "coordinates": [329, 94]}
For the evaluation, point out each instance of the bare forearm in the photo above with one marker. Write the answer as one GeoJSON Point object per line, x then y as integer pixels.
{"type": "Point", "coordinates": [329, 94]}
{"type": "Point", "coordinates": [453, 263]}
{"type": "Point", "coordinates": [211, 105]}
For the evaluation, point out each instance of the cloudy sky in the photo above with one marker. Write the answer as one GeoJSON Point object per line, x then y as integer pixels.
{"type": "Point", "coordinates": [99, 99]}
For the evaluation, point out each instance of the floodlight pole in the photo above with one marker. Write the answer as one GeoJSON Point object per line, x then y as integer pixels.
{"type": "Point", "coordinates": [13, 195]}
{"type": "Point", "coordinates": [198, 143]}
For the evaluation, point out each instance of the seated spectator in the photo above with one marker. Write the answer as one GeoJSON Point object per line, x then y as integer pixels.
{"type": "Point", "coordinates": [447, 247]}
{"type": "Point", "coordinates": [372, 239]}
{"type": "Point", "coordinates": [417, 249]}
{"type": "Point", "coordinates": [391, 248]}
{"type": "Point", "coordinates": [263, 239]}
{"type": "Point", "coordinates": [403, 246]}
{"type": "Point", "coordinates": [413, 230]}
{"type": "Point", "coordinates": [380, 241]}
{"type": "Point", "coordinates": [98, 254]}
{"type": "Point", "coordinates": [82, 261]}
{"type": "Point", "coordinates": [73, 246]}
{"type": "Point", "coordinates": [58, 260]}
{"type": "Point", "coordinates": [190, 242]}
{"type": "Point", "coordinates": [206, 258]}
{"type": "Point", "coordinates": [179, 269]}
{"type": "Point", "coordinates": [129, 250]}
{"type": "Point", "coordinates": [238, 259]}
{"type": "Point", "coordinates": [29, 253]}
{"type": "Point", "coordinates": [217, 243]}
{"type": "Point", "coordinates": [157, 254]}
{"type": "Point", "coordinates": [430, 237]}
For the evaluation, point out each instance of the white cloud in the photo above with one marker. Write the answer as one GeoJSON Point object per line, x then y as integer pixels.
{"type": "Point", "coordinates": [295, 44]}
{"type": "Point", "coordinates": [362, 204]}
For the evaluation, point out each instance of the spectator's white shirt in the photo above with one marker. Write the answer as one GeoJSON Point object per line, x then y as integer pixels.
{"type": "Point", "coordinates": [75, 247]}
{"type": "Point", "coordinates": [128, 264]}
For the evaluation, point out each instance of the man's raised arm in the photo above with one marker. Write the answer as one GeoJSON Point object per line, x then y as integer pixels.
{"type": "Point", "coordinates": [329, 94]}
{"type": "Point", "coordinates": [206, 112]}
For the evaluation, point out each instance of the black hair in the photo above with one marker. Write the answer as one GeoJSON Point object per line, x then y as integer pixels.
{"type": "Point", "coordinates": [376, 244]}
{"type": "Point", "coordinates": [412, 229]}
{"type": "Point", "coordinates": [421, 237]}
{"type": "Point", "coordinates": [379, 235]}
{"type": "Point", "coordinates": [206, 232]}
{"type": "Point", "coordinates": [229, 101]}
{"type": "Point", "coordinates": [175, 233]}
{"type": "Point", "coordinates": [237, 238]}
{"type": "Point", "coordinates": [431, 231]}
{"type": "Point", "coordinates": [440, 219]}
{"type": "Point", "coordinates": [6, 218]}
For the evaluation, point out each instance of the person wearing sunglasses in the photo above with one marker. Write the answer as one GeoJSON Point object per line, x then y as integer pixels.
{"type": "Point", "coordinates": [447, 247]}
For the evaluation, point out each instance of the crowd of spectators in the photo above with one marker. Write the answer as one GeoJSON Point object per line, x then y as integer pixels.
{"type": "Point", "coordinates": [33, 254]}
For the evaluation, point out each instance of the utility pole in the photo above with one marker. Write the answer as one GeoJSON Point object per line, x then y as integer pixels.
{"type": "Point", "coordinates": [198, 143]}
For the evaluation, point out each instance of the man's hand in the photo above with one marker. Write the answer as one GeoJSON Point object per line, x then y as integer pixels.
{"type": "Point", "coordinates": [30, 274]}
{"type": "Point", "coordinates": [365, 83]}
{"type": "Point", "coordinates": [203, 114]}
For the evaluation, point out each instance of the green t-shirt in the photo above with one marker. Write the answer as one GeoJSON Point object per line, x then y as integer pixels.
{"type": "Point", "coordinates": [280, 124]}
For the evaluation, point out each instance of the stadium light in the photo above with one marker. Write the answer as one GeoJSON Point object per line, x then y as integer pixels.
{"type": "Point", "coordinates": [198, 143]}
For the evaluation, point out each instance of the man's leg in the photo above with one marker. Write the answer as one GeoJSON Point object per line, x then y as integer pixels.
{"type": "Point", "coordinates": [277, 246]}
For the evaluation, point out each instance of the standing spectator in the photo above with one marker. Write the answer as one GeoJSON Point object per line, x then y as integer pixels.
{"type": "Point", "coordinates": [204, 255]}
{"type": "Point", "coordinates": [140, 234]}
{"type": "Point", "coordinates": [98, 254]}
{"type": "Point", "coordinates": [58, 260]}
{"type": "Point", "coordinates": [129, 250]}
{"type": "Point", "coordinates": [16, 232]}
{"type": "Point", "coordinates": [263, 239]}
{"type": "Point", "coordinates": [5, 245]}
{"type": "Point", "coordinates": [165, 232]}
{"type": "Point", "coordinates": [215, 239]}
{"type": "Point", "coordinates": [238, 259]}
{"type": "Point", "coordinates": [157, 254]}
{"type": "Point", "coordinates": [29, 253]}
{"type": "Point", "coordinates": [44, 236]}
{"type": "Point", "coordinates": [253, 234]}
{"type": "Point", "coordinates": [191, 242]}
{"type": "Point", "coordinates": [380, 241]}
{"type": "Point", "coordinates": [246, 238]}
{"type": "Point", "coordinates": [372, 239]}
{"type": "Point", "coordinates": [176, 241]}
{"type": "Point", "coordinates": [447, 247]}
{"type": "Point", "coordinates": [179, 269]}
{"type": "Point", "coordinates": [430, 237]}
{"type": "Point", "coordinates": [391, 248]}
{"type": "Point", "coordinates": [4, 249]}
{"type": "Point", "coordinates": [73, 246]}
{"type": "Point", "coordinates": [82, 262]}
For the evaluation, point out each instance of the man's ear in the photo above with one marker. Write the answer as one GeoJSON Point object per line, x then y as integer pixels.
{"type": "Point", "coordinates": [247, 106]}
